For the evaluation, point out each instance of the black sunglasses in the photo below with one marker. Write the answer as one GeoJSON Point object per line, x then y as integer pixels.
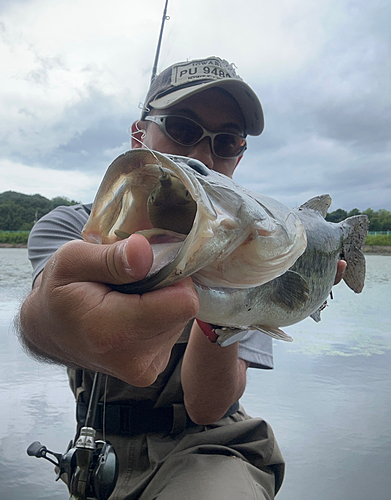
{"type": "Point", "coordinates": [187, 132]}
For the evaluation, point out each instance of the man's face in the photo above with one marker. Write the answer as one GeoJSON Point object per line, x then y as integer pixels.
{"type": "Point", "coordinates": [214, 109]}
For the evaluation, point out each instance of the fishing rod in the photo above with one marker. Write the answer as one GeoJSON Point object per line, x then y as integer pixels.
{"type": "Point", "coordinates": [159, 43]}
{"type": "Point", "coordinates": [89, 466]}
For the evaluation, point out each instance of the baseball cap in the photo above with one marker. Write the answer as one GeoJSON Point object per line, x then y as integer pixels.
{"type": "Point", "coordinates": [184, 79]}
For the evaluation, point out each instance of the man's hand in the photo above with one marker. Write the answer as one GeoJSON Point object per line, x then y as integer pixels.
{"type": "Point", "coordinates": [73, 317]}
{"type": "Point", "coordinates": [341, 267]}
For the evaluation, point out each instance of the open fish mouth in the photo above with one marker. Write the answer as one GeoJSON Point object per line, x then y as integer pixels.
{"type": "Point", "coordinates": [196, 220]}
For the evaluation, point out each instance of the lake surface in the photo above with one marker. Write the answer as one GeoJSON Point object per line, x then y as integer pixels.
{"type": "Point", "coordinates": [328, 398]}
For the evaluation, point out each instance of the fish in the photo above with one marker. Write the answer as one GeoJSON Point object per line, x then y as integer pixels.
{"type": "Point", "coordinates": [199, 223]}
{"type": "Point", "coordinates": [255, 263]}
{"type": "Point", "coordinates": [279, 303]}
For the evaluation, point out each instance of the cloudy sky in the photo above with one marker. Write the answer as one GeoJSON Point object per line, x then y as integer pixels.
{"type": "Point", "coordinates": [74, 72]}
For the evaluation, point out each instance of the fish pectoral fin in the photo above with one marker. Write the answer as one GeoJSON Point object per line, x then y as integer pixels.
{"type": "Point", "coordinates": [276, 333]}
{"type": "Point", "coordinates": [290, 291]}
{"type": "Point", "coordinates": [318, 203]}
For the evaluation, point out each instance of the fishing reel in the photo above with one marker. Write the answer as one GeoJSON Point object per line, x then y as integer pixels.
{"type": "Point", "coordinates": [89, 467]}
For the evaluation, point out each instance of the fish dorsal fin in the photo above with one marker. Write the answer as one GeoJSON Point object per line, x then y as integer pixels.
{"type": "Point", "coordinates": [276, 333]}
{"type": "Point", "coordinates": [319, 204]}
{"type": "Point", "coordinates": [290, 291]}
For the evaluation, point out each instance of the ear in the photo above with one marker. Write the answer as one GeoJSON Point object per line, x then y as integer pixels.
{"type": "Point", "coordinates": [138, 133]}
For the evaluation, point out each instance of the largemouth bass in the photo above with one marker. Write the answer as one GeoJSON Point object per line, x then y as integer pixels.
{"type": "Point", "coordinates": [199, 223]}
{"type": "Point", "coordinates": [246, 253]}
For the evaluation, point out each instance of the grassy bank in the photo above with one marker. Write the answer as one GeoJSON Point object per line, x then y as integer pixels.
{"type": "Point", "coordinates": [14, 238]}
{"type": "Point", "coordinates": [378, 240]}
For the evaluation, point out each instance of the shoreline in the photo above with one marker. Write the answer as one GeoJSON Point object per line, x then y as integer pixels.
{"type": "Point", "coordinates": [13, 245]}
{"type": "Point", "coordinates": [368, 249]}
{"type": "Point", "coordinates": [377, 249]}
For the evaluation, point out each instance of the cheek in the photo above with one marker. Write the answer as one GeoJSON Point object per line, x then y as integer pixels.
{"type": "Point", "coordinates": [225, 168]}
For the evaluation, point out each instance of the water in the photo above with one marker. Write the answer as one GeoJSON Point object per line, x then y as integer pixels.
{"type": "Point", "coordinates": [328, 398]}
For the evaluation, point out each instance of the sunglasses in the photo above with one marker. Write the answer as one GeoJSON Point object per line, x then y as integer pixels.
{"type": "Point", "coordinates": [187, 132]}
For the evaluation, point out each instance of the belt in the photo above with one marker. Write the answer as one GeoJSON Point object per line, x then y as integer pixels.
{"type": "Point", "coordinates": [139, 417]}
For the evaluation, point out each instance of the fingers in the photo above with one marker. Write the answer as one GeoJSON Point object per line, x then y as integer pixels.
{"type": "Point", "coordinates": [172, 305]}
{"type": "Point", "coordinates": [341, 267]}
{"type": "Point", "coordinates": [82, 321]}
{"type": "Point", "coordinates": [120, 263]}
{"type": "Point", "coordinates": [115, 320]}
{"type": "Point", "coordinates": [127, 336]}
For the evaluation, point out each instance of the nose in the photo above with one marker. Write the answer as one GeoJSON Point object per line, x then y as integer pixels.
{"type": "Point", "coordinates": [202, 151]}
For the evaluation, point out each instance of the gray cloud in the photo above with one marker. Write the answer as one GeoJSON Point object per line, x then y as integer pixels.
{"type": "Point", "coordinates": [327, 121]}
{"type": "Point", "coordinates": [5, 5]}
{"type": "Point", "coordinates": [98, 124]}
{"type": "Point", "coordinates": [328, 127]}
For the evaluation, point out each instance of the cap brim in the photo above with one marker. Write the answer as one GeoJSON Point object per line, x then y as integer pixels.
{"type": "Point", "coordinates": [240, 91]}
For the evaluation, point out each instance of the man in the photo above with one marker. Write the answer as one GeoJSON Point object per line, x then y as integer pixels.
{"type": "Point", "coordinates": [189, 439]}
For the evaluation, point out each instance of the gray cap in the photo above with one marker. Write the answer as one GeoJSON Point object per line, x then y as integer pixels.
{"type": "Point", "coordinates": [181, 80]}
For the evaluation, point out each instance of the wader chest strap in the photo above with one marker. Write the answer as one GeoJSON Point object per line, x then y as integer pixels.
{"type": "Point", "coordinates": [140, 417]}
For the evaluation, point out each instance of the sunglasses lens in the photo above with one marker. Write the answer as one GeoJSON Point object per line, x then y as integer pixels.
{"type": "Point", "coordinates": [187, 132]}
{"type": "Point", "coordinates": [229, 145]}
{"type": "Point", "coordinates": [182, 130]}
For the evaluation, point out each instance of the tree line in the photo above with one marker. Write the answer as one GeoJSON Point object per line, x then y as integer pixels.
{"type": "Point", "coordinates": [379, 220]}
{"type": "Point", "coordinates": [19, 212]}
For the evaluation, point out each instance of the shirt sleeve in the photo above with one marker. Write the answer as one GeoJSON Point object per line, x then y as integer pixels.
{"type": "Point", "coordinates": [257, 348]}
{"type": "Point", "coordinates": [52, 231]}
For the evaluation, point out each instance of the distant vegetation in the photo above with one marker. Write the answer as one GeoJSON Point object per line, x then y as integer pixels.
{"type": "Point", "coordinates": [378, 239]}
{"type": "Point", "coordinates": [378, 221]}
{"type": "Point", "coordinates": [14, 238]}
{"type": "Point", "coordinates": [19, 212]}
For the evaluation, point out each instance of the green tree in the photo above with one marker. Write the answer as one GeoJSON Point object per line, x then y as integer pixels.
{"type": "Point", "coordinates": [20, 211]}
{"type": "Point", "coordinates": [63, 201]}
{"type": "Point", "coordinates": [337, 215]}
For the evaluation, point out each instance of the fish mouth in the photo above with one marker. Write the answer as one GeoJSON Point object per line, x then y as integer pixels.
{"type": "Point", "coordinates": [123, 207]}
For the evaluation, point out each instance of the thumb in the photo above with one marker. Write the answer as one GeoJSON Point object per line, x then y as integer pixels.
{"type": "Point", "coordinates": [122, 262]}
{"type": "Point", "coordinates": [136, 256]}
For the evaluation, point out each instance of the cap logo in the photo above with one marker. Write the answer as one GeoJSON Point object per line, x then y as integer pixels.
{"type": "Point", "coordinates": [203, 69]}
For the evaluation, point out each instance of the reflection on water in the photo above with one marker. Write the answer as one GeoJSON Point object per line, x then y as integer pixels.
{"type": "Point", "coordinates": [352, 324]}
{"type": "Point", "coordinates": [327, 399]}
{"type": "Point", "coordinates": [331, 418]}
{"type": "Point", "coordinates": [35, 401]}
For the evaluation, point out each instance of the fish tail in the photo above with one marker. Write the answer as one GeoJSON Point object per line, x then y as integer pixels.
{"type": "Point", "coordinates": [355, 232]}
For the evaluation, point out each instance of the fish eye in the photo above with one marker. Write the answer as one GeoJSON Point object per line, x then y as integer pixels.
{"type": "Point", "coordinates": [198, 166]}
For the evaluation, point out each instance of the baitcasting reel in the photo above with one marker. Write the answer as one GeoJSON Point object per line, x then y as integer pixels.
{"type": "Point", "coordinates": [89, 467]}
